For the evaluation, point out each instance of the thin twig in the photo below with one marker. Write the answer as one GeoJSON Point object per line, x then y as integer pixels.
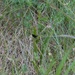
{"type": "Point", "coordinates": [67, 36]}
{"type": "Point", "coordinates": [64, 36]}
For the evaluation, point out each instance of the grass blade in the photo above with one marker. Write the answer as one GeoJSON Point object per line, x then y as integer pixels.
{"type": "Point", "coordinates": [59, 68]}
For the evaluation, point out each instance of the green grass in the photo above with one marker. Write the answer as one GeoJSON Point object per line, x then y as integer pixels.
{"type": "Point", "coordinates": [37, 37]}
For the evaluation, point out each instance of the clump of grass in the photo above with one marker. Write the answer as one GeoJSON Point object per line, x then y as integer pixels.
{"type": "Point", "coordinates": [37, 37]}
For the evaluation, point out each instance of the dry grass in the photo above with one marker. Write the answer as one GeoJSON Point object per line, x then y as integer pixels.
{"type": "Point", "coordinates": [15, 49]}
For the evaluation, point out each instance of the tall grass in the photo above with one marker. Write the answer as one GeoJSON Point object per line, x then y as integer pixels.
{"type": "Point", "coordinates": [37, 37]}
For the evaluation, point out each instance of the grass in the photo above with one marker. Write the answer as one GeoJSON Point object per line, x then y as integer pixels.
{"type": "Point", "coordinates": [37, 37]}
